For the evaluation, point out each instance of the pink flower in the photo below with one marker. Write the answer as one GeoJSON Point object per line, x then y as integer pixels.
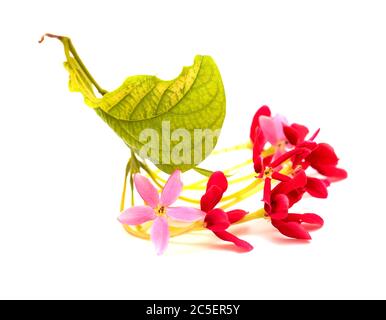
{"type": "Point", "coordinates": [158, 209]}
{"type": "Point", "coordinates": [267, 128]}
{"type": "Point", "coordinates": [273, 131]}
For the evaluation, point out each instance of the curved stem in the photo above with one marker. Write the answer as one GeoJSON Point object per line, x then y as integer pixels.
{"type": "Point", "coordinates": [242, 197]}
{"type": "Point", "coordinates": [175, 232]}
{"type": "Point", "coordinates": [259, 214]}
{"type": "Point", "coordinates": [190, 200]}
{"type": "Point", "coordinates": [136, 233]}
{"type": "Point", "coordinates": [123, 197]}
{"type": "Point", "coordinates": [241, 146]}
{"type": "Point", "coordinates": [68, 44]}
{"type": "Point", "coordinates": [242, 191]}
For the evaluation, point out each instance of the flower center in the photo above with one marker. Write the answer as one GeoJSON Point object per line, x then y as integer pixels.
{"type": "Point", "coordinates": [160, 211]}
{"type": "Point", "coordinates": [268, 172]}
{"type": "Point", "coordinates": [281, 145]}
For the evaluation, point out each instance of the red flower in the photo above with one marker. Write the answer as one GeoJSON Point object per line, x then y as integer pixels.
{"type": "Point", "coordinates": [268, 169]}
{"type": "Point", "coordinates": [302, 155]}
{"type": "Point", "coordinates": [322, 156]}
{"type": "Point", "coordinates": [324, 160]}
{"type": "Point", "coordinates": [295, 188]}
{"type": "Point", "coordinates": [283, 197]}
{"type": "Point", "coordinates": [216, 219]}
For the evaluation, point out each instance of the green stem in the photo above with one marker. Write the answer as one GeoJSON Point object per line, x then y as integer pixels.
{"type": "Point", "coordinates": [67, 42]}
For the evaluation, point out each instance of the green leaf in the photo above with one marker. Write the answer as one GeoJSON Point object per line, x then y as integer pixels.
{"type": "Point", "coordinates": [80, 83]}
{"type": "Point", "coordinates": [195, 100]}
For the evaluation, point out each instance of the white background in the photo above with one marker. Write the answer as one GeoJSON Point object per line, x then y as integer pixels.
{"type": "Point", "coordinates": [321, 63]}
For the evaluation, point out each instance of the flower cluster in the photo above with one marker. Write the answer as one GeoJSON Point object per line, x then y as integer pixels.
{"type": "Point", "coordinates": [291, 148]}
{"type": "Point", "coordinates": [287, 162]}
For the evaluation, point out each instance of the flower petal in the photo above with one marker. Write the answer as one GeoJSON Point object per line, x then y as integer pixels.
{"type": "Point", "coordinates": [211, 198]}
{"type": "Point", "coordinates": [291, 135]}
{"type": "Point", "coordinates": [331, 171]}
{"type": "Point", "coordinates": [218, 179]}
{"type": "Point", "coordinates": [285, 156]}
{"type": "Point", "coordinates": [310, 145]}
{"type": "Point", "coordinates": [316, 188]}
{"type": "Point", "coordinates": [185, 214]}
{"type": "Point", "coordinates": [280, 121]}
{"type": "Point", "coordinates": [217, 220]}
{"type": "Point", "coordinates": [172, 189]}
{"type": "Point", "coordinates": [301, 130]}
{"type": "Point", "coordinates": [146, 190]}
{"type": "Point", "coordinates": [280, 206]}
{"type": "Point", "coordinates": [263, 111]}
{"type": "Point", "coordinates": [323, 154]}
{"type": "Point", "coordinates": [278, 215]}
{"type": "Point", "coordinates": [296, 133]}
{"type": "Point", "coordinates": [295, 196]}
{"type": "Point", "coordinates": [226, 236]}
{"type": "Point", "coordinates": [160, 235]}
{"type": "Point", "coordinates": [258, 165]}
{"type": "Point", "coordinates": [267, 160]}
{"type": "Point", "coordinates": [267, 195]}
{"type": "Point", "coordinates": [298, 158]}
{"type": "Point", "coordinates": [259, 141]}
{"type": "Point", "coordinates": [310, 218]}
{"type": "Point", "coordinates": [298, 181]}
{"type": "Point", "coordinates": [291, 229]}
{"type": "Point", "coordinates": [236, 215]}
{"type": "Point", "coordinates": [326, 182]}
{"type": "Point", "coordinates": [280, 177]}
{"type": "Point", "coordinates": [270, 129]}
{"type": "Point", "coordinates": [136, 215]}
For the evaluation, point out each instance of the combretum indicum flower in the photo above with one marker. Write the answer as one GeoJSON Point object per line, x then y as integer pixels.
{"type": "Point", "coordinates": [158, 209]}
